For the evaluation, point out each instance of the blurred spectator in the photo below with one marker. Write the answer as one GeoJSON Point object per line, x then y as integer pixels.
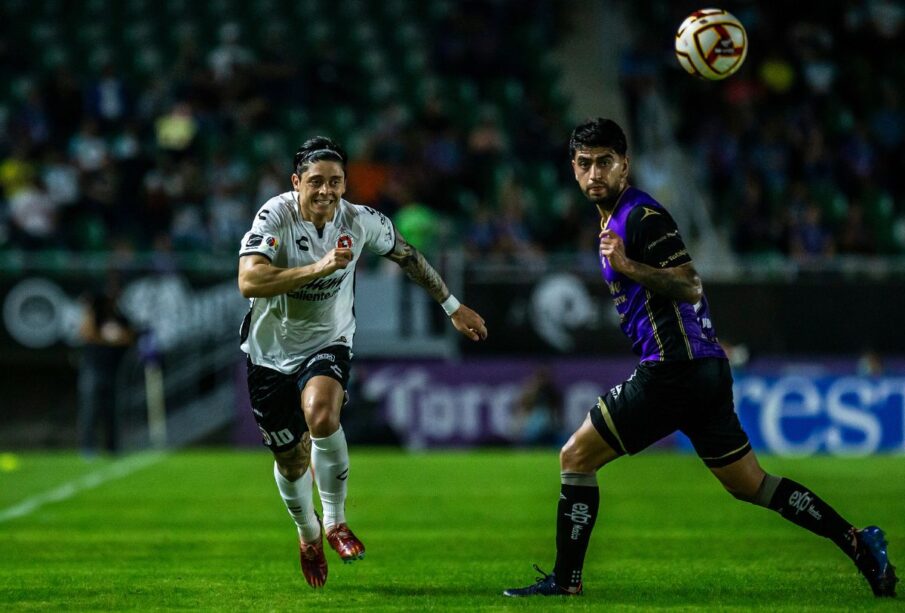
{"type": "Point", "coordinates": [480, 233]}
{"type": "Point", "coordinates": [809, 238]}
{"type": "Point", "coordinates": [177, 129]}
{"type": "Point", "coordinates": [538, 410]}
{"type": "Point", "coordinates": [870, 364]}
{"type": "Point", "coordinates": [33, 217]}
{"type": "Point", "coordinates": [106, 334]}
{"type": "Point", "coordinates": [87, 148]}
{"type": "Point", "coordinates": [229, 56]}
{"type": "Point", "coordinates": [855, 236]}
{"type": "Point", "coordinates": [106, 98]}
{"type": "Point", "coordinates": [420, 225]}
{"type": "Point", "coordinates": [228, 218]}
{"type": "Point", "coordinates": [16, 171]}
{"type": "Point", "coordinates": [61, 179]}
{"type": "Point", "coordinates": [33, 119]}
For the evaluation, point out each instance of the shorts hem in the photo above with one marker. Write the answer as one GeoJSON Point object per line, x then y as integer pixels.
{"type": "Point", "coordinates": [728, 458]}
{"type": "Point", "coordinates": [602, 423]}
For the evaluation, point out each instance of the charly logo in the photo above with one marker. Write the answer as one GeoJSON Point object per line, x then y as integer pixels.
{"type": "Point", "coordinates": [616, 391]}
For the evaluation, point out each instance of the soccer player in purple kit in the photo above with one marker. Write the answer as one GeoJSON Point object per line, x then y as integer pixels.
{"type": "Point", "coordinates": [683, 381]}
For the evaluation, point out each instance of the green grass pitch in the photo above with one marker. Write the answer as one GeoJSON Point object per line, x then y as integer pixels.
{"type": "Point", "coordinates": [206, 530]}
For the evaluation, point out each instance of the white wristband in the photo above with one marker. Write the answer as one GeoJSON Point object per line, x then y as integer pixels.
{"type": "Point", "coordinates": [450, 305]}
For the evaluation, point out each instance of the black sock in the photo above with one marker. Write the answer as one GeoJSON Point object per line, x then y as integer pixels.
{"type": "Point", "coordinates": [575, 516]}
{"type": "Point", "coordinates": [803, 507]}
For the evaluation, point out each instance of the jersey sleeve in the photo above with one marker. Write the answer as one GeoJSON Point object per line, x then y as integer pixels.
{"type": "Point", "coordinates": [377, 230]}
{"type": "Point", "coordinates": [264, 236]}
{"type": "Point", "coordinates": [655, 239]}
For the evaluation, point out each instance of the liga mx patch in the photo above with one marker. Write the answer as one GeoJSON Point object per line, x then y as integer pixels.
{"type": "Point", "coordinates": [264, 244]}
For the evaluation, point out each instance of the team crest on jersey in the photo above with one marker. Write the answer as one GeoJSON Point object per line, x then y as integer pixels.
{"type": "Point", "coordinates": [344, 242]}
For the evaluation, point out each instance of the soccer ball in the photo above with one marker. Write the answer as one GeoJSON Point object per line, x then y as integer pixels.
{"type": "Point", "coordinates": [711, 44]}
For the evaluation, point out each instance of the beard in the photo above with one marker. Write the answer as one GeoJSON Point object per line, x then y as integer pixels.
{"type": "Point", "coordinates": [604, 200]}
{"type": "Point", "coordinates": [608, 197]}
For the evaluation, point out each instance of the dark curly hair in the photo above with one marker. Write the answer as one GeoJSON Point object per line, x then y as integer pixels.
{"type": "Point", "coordinates": [317, 149]}
{"type": "Point", "coordinates": [598, 132]}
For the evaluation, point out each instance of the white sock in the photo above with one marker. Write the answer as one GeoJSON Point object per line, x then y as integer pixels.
{"type": "Point", "coordinates": [330, 459]}
{"type": "Point", "coordinates": [297, 497]}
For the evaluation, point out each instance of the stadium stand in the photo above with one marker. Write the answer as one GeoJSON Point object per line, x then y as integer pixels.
{"type": "Point", "coordinates": [141, 125]}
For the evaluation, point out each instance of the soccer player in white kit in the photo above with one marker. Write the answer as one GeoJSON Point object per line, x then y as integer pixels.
{"type": "Point", "coordinates": [297, 267]}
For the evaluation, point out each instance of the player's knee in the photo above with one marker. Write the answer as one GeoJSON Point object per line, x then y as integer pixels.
{"type": "Point", "coordinates": [322, 420]}
{"type": "Point", "coordinates": [574, 458]}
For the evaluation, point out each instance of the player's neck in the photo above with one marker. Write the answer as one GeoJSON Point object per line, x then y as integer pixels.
{"type": "Point", "coordinates": [608, 206]}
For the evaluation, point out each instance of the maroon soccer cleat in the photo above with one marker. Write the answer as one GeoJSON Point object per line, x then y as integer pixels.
{"type": "Point", "coordinates": [345, 543]}
{"type": "Point", "coordinates": [314, 563]}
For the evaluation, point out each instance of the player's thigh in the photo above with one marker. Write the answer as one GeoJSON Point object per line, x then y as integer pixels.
{"type": "Point", "coordinates": [586, 450]}
{"type": "Point", "coordinates": [275, 406]}
{"type": "Point", "coordinates": [711, 422]}
{"type": "Point", "coordinates": [322, 385]}
{"type": "Point", "coordinates": [638, 412]}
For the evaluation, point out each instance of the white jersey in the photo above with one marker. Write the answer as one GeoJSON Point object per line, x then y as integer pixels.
{"type": "Point", "coordinates": [281, 332]}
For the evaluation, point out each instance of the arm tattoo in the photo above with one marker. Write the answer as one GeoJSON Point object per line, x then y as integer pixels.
{"type": "Point", "coordinates": [679, 283]}
{"type": "Point", "coordinates": [418, 269]}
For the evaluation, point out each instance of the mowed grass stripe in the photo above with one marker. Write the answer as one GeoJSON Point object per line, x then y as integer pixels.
{"type": "Point", "coordinates": [444, 531]}
{"type": "Point", "coordinates": [117, 470]}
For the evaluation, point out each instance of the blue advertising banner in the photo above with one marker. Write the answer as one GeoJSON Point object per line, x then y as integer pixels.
{"type": "Point", "coordinates": [804, 415]}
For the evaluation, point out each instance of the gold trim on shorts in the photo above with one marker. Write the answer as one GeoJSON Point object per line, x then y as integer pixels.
{"type": "Point", "coordinates": [609, 422]}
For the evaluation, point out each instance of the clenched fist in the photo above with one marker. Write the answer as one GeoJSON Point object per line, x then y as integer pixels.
{"type": "Point", "coordinates": [333, 261]}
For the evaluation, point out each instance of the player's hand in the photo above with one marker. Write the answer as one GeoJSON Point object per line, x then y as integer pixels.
{"type": "Point", "coordinates": [613, 249]}
{"type": "Point", "coordinates": [469, 323]}
{"type": "Point", "coordinates": [334, 260]}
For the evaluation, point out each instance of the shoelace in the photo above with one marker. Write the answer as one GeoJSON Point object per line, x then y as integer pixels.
{"type": "Point", "coordinates": [543, 578]}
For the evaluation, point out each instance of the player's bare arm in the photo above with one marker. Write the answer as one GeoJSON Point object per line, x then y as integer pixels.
{"type": "Point", "coordinates": [259, 278]}
{"type": "Point", "coordinates": [680, 283]}
{"type": "Point", "coordinates": [419, 270]}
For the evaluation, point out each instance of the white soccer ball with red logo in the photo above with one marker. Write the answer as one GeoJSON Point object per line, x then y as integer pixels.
{"type": "Point", "coordinates": [711, 44]}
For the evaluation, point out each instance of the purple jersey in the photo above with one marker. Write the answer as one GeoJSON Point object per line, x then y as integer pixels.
{"type": "Point", "coordinates": [661, 329]}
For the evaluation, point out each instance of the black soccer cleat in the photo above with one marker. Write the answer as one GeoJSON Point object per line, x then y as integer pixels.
{"type": "Point", "coordinates": [873, 561]}
{"type": "Point", "coordinates": [545, 585]}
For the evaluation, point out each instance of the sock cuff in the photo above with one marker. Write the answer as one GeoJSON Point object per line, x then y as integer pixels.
{"type": "Point", "coordinates": [335, 441]}
{"type": "Point", "coordinates": [582, 479]}
{"type": "Point", "coordinates": [767, 490]}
